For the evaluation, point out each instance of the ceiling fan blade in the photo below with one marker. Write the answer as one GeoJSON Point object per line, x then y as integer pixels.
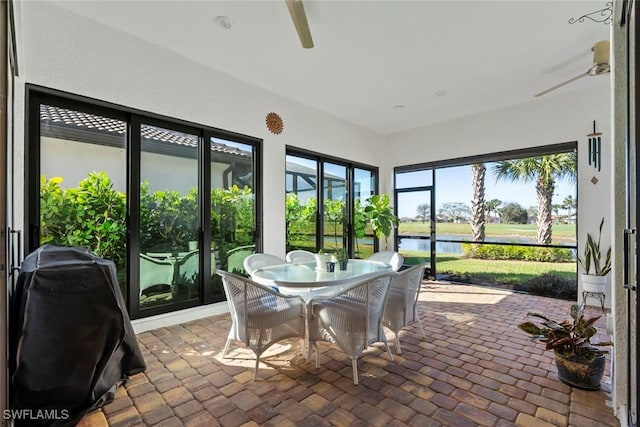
{"type": "Point", "coordinates": [296, 9]}
{"type": "Point", "coordinates": [544, 92]}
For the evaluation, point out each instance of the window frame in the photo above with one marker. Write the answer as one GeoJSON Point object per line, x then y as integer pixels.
{"type": "Point", "coordinates": [542, 150]}
{"type": "Point", "coordinates": [38, 95]}
{"type": "Point", "coordinates": [350, 165]}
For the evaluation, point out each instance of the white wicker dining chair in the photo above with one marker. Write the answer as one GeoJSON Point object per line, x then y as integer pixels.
{"type": "Point", "coordinates": [260, 316]}
{"type": "Point", "coordinates": [256, 261]}
{"type": "Point", "coordinates": [351, 319]}
{"type": "Point", "coordinates": [394, 259]}
{"type": "Point", "coordinates": [155, 272]}
{"type": "Point", "coordinates": [300, 255]}
{"type": "Point", "coordinates": [401, 308]}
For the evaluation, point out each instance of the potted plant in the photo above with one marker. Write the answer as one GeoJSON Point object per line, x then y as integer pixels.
{"type": "Point", "coordinates": [580, 362]}
{"type": "Point", "coordinates": [342, 256]}
{"type": "Point", "coordinates": [380, 215]}
{"type": "Point", "coordinates": [595, 282]}
{"type": "Point", "coordinates": [322, 258]}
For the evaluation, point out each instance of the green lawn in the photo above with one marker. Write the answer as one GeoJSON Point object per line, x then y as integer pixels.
{"type": "Point", "coordinates": [498, 271]}
{"type": "Point", "coordinates": [561, 232]}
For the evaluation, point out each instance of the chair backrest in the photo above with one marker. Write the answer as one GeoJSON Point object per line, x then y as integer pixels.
{"type": "Point", "coordinates": [188, 267]}
{"type": "Point", "coordinates": [389, 257]}
{"type": "Point", "coordinates": [256, 261]}
{"type": "Point", "coordinates": [236, 256]}
{"type": "Point", "coordinates": [377, 292]}
{"type": "Point", "coordinates": [254, 306]}
{"type": "Point", "coordinates": [155, 272]}
{"type": "Point", "coordinates": [300, 255]}
{"type": "Point", "coordinates": [235, 289]}
{"type": "Point", "coordinates": [356, 312]}
{"type": "Point", "coordinates": [405, 288]}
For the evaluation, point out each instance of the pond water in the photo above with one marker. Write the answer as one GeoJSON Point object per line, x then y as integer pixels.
{"type": "Point", "coordinates": [421, 245]}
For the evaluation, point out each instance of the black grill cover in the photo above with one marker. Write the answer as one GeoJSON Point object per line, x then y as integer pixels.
{"type": "Point", "coordinates": [71, 340]}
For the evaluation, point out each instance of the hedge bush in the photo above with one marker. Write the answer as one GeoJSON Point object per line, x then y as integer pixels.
{"type": "Point", "coordinates": [94, 215]}
{"type": "Point", "coordinates": [522, 253]}
{"type": "Point", "coordinates": [550, 285]}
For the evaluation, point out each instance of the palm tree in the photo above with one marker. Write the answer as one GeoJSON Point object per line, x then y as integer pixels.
{"type": "Point", "coordinates": [544, 171]}
{"type": "Point", "coordinates": [491, 206]}
{"type": "Point", "coordinates": [477, 203]}
{"type": "Point", "coordinates": [569, 203]}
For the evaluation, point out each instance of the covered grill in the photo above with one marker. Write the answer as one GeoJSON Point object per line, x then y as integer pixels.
{"type": "Point", "coordinates": [71, 340]}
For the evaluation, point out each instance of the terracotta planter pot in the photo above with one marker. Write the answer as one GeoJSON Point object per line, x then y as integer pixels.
{"type": "Point", "coordinates": [577, 372]}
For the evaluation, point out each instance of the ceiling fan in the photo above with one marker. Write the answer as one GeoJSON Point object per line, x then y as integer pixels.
{"type": "Point", "coordinates": [299, 18]}
{"type": "Point", "coordinates": [600, 65]}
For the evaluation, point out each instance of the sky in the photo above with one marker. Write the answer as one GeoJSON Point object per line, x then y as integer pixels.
{"type": "Point", "coordinates": [453, 184]}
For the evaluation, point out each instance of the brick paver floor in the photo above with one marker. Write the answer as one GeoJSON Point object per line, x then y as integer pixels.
{"type": "Point", "coordinates": [475, 368]}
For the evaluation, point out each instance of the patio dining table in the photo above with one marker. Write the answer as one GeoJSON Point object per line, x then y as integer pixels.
{"type": "Point", "coordinates": [309, 282]}
{"type": "Point", "coordinates": [305, 280]}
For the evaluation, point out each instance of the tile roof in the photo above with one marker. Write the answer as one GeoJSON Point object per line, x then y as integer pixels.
{"type": "Point", "coordinates": [107, 126]}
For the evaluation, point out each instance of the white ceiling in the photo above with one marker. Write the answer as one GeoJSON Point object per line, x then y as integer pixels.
{"type": "Point", "coordinates": [370, 56]}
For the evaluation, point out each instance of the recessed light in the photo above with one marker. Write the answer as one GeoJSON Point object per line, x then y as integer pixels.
{"type": "Point", "coordinates": [398, 107]}
{"type": "Point", "coordinates": [440, 93]}
{"type": "Point", "coordinates": [224, 22]}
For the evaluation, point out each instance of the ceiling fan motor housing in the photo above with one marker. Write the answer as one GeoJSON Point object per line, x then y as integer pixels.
{"type": "Point", "coordinates": [600, 58]}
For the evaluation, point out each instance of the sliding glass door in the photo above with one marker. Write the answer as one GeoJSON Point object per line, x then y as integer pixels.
{"type": "Point", "coordinates": [234, 208]}
{"type": "Point", "coordinates": [334, 206]}
{"type": "Point", "coordinates": [362, 237]}
{"type": "Point", "coordinates": [330, 216]}
{"type": "Point", "coordinates": [168, 202]}
{"type": "Point", "coordinates": [416, 227]}
{"type": "Point", "coordinates": [169, 221]}
{"type": "Point", "coordinates": [81, 183]}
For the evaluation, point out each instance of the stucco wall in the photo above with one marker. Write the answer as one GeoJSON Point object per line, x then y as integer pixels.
{"type": "Point", "coordinates": [60, 50]}
{"type": "Point", "coordinates": [619, 218]}
{"type": "Point", "coordinates": [67, 52]}
{"type": "Point", "coordinates": [59, 157]}
{"type": "Point", "coordinates": [63, 51]}
{"type": "Point", "coordinates": [548, 120]}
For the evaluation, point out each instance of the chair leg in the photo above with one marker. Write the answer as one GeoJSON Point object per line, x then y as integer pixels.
{"type": "Point", "coordinates": [303, 347]}
{"type": "Point", "coordinates": [420, 323]}
{"type": "Point", "coordinates": [226, 348]}
{"type": "Point", "coordinates": [315, 345]}
{"type": "Point", "coordinates": [398, 348]}
{"type": "Point", "coordinates": [354, 365]}
{"type": "Point", "coordinates": [255, 371]}
{"type": "Point", "coordinates": [388, 350]}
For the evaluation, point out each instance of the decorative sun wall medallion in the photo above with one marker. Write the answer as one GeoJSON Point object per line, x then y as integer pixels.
{"type": "Point", "coordinates": [274, 123]}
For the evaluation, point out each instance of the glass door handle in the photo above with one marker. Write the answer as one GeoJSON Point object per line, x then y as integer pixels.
{"type": "Point", "coordinates": [625, 271]}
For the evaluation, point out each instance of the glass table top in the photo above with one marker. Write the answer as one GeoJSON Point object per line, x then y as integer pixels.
{"type": "Point", "coordinates": [308, 276]}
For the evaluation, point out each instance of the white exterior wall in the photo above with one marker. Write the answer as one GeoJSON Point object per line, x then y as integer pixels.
{"type": "Point", "coordinates": [544, 121]}
{"type": "Point", "coordinates": [64, 51]}
{"type": "Point", "coordinates": [618, 218]}
{"type": "Point", "coordinates": [60, 50]}
{"type": "Point", "coordinates": [60, 158]}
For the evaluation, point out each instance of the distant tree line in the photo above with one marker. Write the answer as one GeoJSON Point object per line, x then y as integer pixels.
{"type": "Point", "coordinates": [544, 171]}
